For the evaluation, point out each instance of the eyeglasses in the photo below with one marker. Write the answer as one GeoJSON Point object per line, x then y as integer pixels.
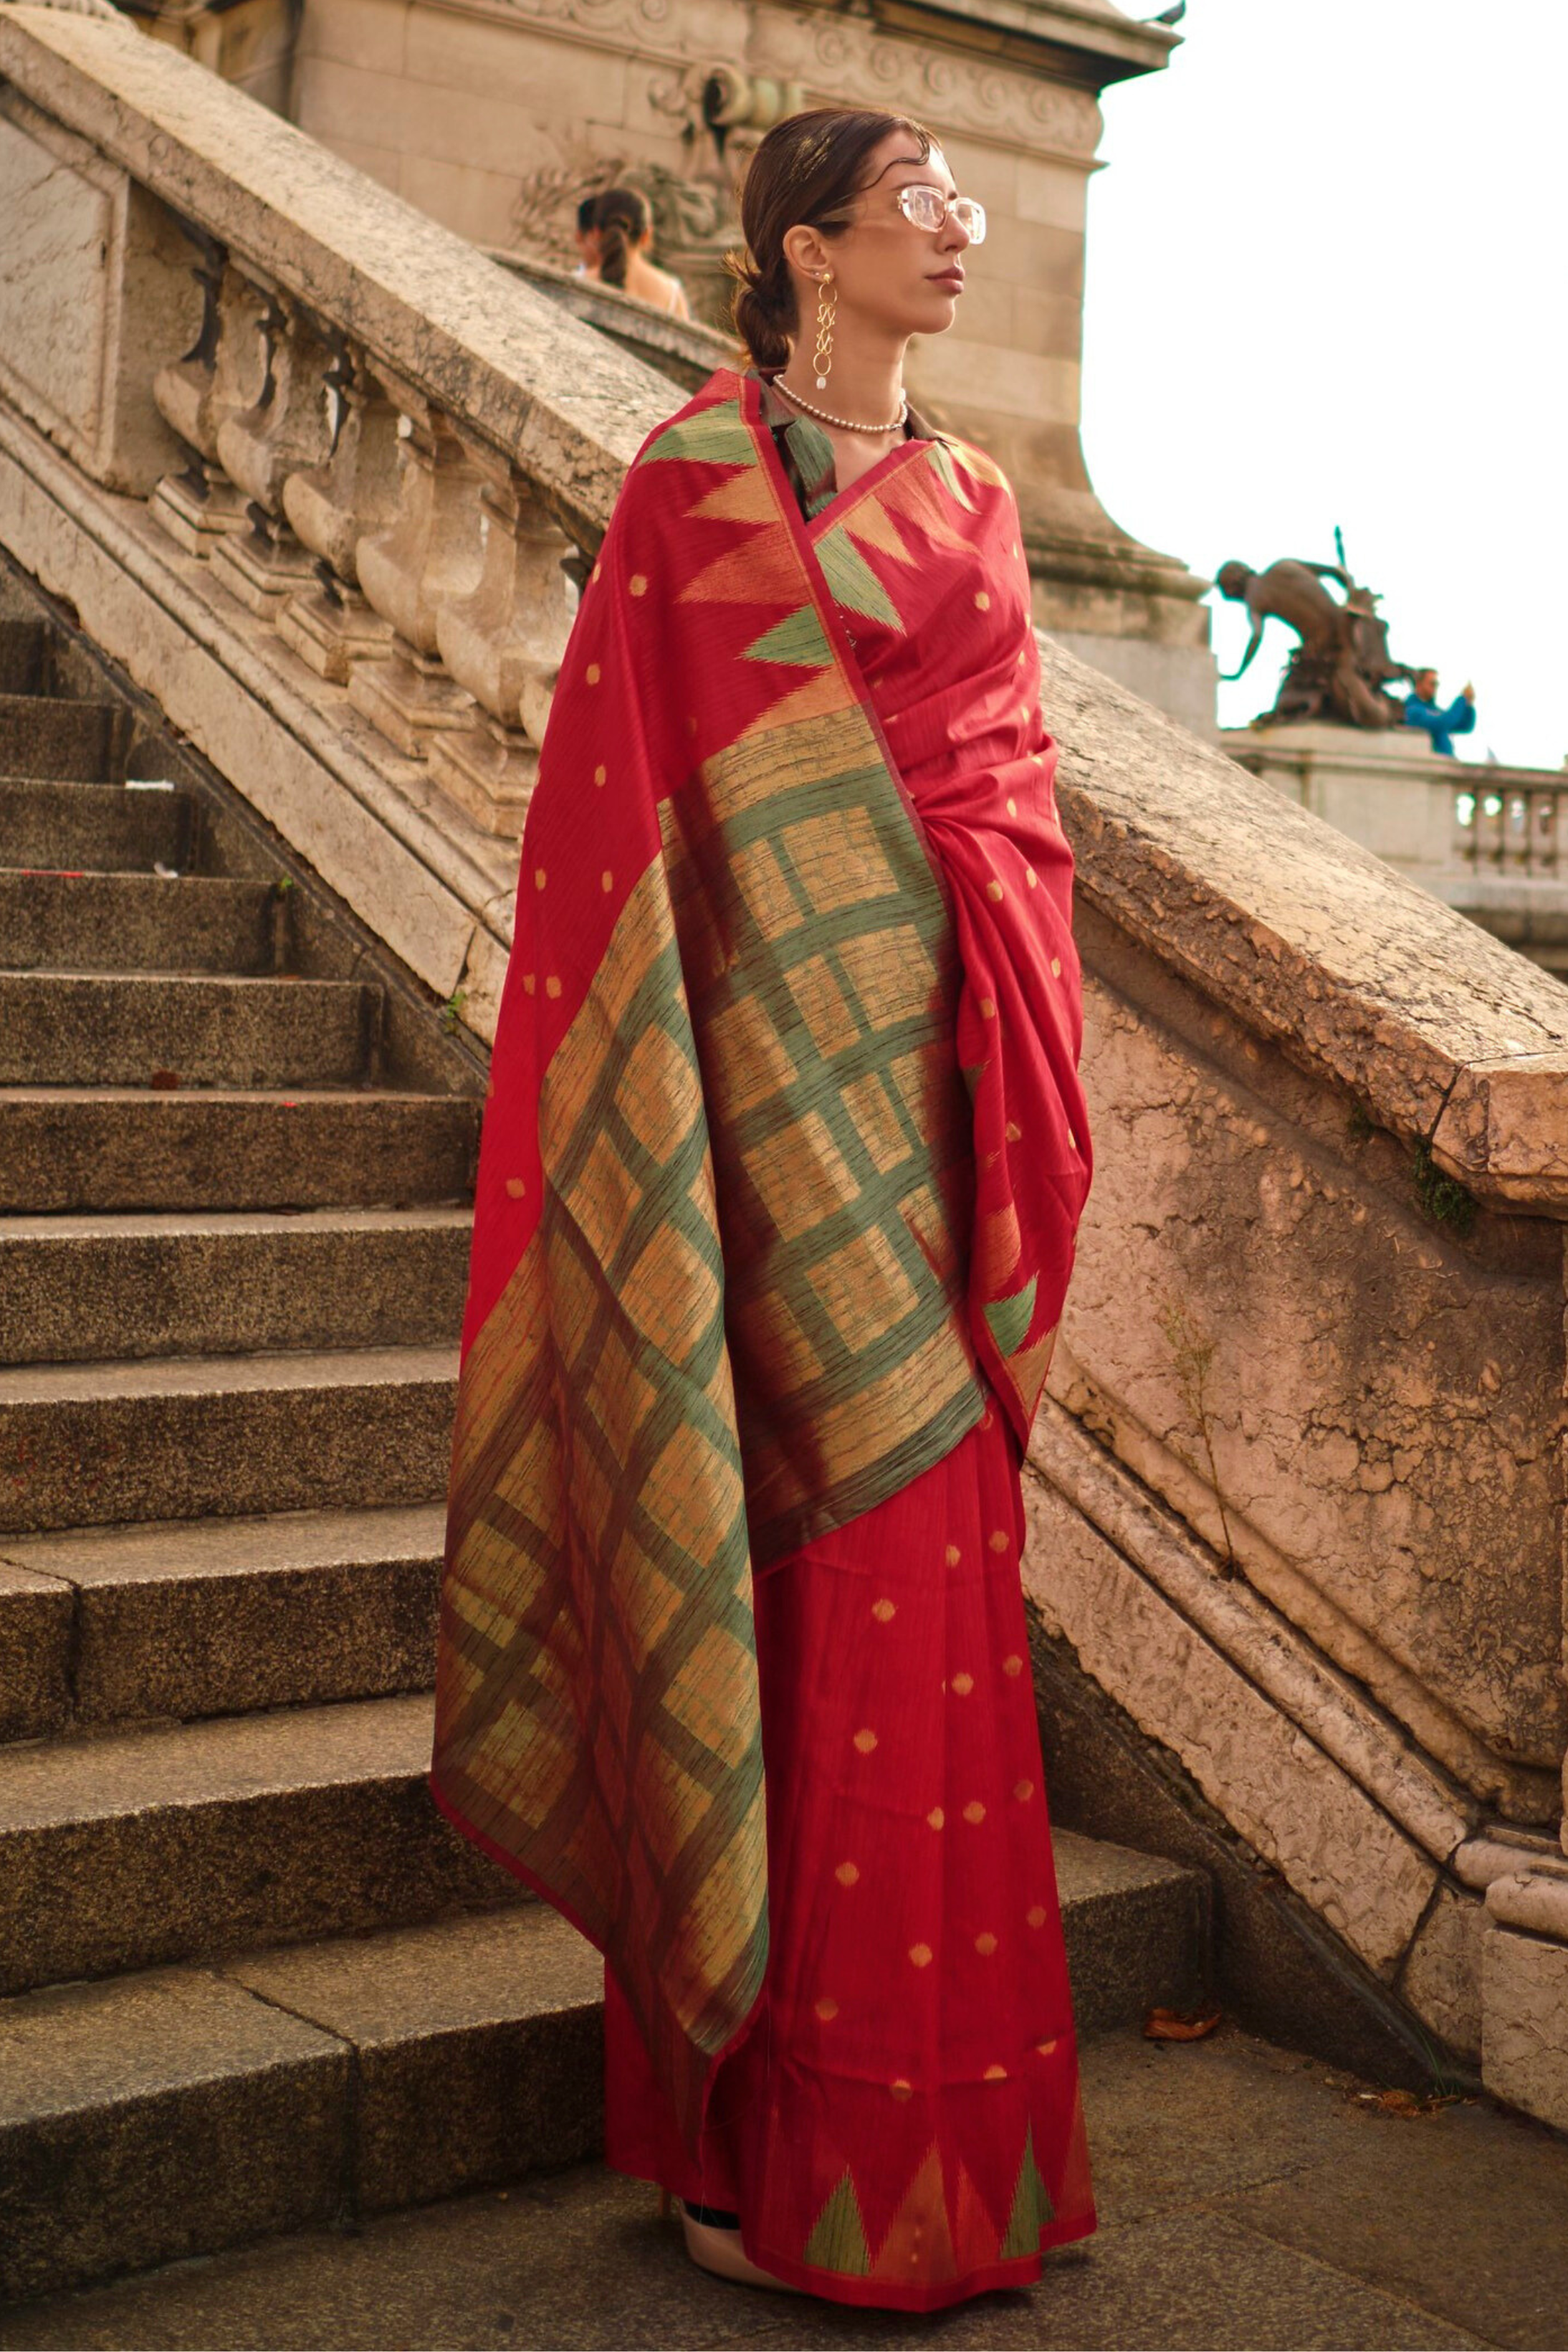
{"type": "Point", "coordinates": [926, 207]}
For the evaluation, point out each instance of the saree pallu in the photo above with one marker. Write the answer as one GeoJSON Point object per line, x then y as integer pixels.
{"type": "Point", "coordinates": [782, 1169]}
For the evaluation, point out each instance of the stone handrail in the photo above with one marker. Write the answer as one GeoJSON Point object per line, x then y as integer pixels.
{"type": "Point", "coordinates": [386, 436]}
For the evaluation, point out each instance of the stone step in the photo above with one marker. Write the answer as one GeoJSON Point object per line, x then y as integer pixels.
{"type": "Point", "coordinates": [94, 828]}
{"type": "Point", "coordinates": [23, 647]}
{"type": "Point", "coordinates": [78, 1289]}
{"type": "Point", "coordinates": [133, 1848]}
{"type": "Point", "coordinates": [206, 1617]}
{"type": "Point", "coordinates": [123, 1029]}
{"type": "Point", "coordinates": [101, 1149]}
{"type": "Point", "coordinates": [167, 2113]}
{"type": "Point", "coordinates": [137, 922]}
{"type": "Point", "coordinates": [90, 1444]}
{"type": "Point", "coordinates": [42, 738]}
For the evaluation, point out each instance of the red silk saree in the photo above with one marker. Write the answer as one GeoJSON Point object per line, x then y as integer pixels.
{"type": "Point", "coordinates": [782, 1165]}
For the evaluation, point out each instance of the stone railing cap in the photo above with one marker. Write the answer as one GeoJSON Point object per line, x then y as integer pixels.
{"type": "Point", "coordinates": [1441, 1032]}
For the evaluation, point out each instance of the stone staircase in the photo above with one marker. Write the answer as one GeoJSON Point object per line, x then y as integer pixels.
{"type": "Point", "coordinates": [251, 1981]}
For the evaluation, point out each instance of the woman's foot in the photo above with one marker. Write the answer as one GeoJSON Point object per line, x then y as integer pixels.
{"type": "Point", "coordinates": [720, 2251]}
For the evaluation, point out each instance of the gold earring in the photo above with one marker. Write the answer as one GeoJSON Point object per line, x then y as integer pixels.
{"type": "Point", "coordinates": [827, 311]}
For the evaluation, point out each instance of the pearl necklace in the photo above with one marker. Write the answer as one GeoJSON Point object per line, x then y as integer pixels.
{"type": "Point", "coordinates": [844, 423]}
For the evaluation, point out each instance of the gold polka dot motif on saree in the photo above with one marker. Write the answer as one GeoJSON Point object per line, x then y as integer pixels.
{"type": "Point", "coordinates": [997, 1539]}
{"type": "Point", "coordinates": [985, 1944]}
{"type": "Point", "coordinates": [953, 1555]}
{"type": "Point", "coordinates": [963, 1685]}
{"type": "Point", "coordinates": [593, 673]}
{"type": "Point", "coordinates": [848, 1874]}
{"type": "Point", "coordinates": [921, 1955]}
{"type": "Point", "coordinates": [865, 1740]}
{"type": "Point", "coordinates": [936, 1818]}
{"type": "Point", "coordinates": [885, 1610]}
{"type": "Point", "coordinates": [1012, 1664]}
{"type": "Point", "coordinates": [826, 2010]}
{"type": "Point", "coordinates": [517, 1190]}
{"type": "Point", "coordinates": [638, 584]}
{"type": "Point", "coordinates": [995, 893]}
{"type": "Point", "coordinates": [974, 1812]}
{"type": "Point", "coordinates": [599, 775]}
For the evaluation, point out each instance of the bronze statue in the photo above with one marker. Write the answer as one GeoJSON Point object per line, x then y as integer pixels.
{"type": "Point", "coordinates": [1342, 663]}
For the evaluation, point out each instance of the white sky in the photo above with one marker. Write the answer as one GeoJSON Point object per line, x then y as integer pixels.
{"type": "Point", "coordinates": [1328, 282]}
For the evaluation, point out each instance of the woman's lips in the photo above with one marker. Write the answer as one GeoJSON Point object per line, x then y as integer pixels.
{"type": "Point", "coordinates": [953, 278]}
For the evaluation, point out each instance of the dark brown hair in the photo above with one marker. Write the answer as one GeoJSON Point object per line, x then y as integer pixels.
{"type": "Point", "coordinates": [623, 218]}
{"type": "Point", "coordinates": [805, 172]}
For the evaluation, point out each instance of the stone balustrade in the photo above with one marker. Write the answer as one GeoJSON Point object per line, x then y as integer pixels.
{"type": "Point", "coordinates": [1511, 826]}
{"type": "Point", "coordinates": [369, 460]}
{"type": "Point", "coordinates": [319, 475]}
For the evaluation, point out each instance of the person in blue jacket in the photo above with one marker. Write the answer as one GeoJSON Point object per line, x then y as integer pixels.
{"type": "Point", "coordinates": [1421, 710]}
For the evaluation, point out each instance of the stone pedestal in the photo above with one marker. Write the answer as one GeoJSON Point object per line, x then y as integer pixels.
{"type": "Point", "coordinates": [489, 769]}
{"type": "Point", "coordinates": [1492, 841]}
{"type": "Point", "coordinates": [1524, 1991]}
{"type": "Point", "coordinates": [1390, 792]}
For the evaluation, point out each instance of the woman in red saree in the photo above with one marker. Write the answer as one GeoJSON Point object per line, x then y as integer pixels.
{"type": "Point", "coordinates": [783, 1167]}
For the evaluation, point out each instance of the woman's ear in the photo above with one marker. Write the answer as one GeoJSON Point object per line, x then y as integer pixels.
{"type": "Point", "coordinates": [805, 249]}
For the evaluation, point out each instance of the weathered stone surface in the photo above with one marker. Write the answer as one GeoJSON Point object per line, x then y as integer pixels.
{"type": "Point", "coordinates": [1359, 976]}
{"type": "Point", "coordinates": [230, 1435]}
{"type": "Point", "coordinates": [1331, 1386]}
{"type": "Point", "coordinates": [1137, 1928]}
{"type": "Point", "coordinates": [1277, 1968]}
{"type": "Point", "coordinates": [479, 2047]}
{"type": "Point", "coordinates": [1287, 1797]}
{"type": "Point", "coordinates": [1524, 2022]}
{"type": "Point", "coordinates": [137, 1847]}
{"type": "Point", "coordinates": [76, 1290]}
{"type": "Point", "coordinates": [77, 1148]}
{"type": "Point", "coordinates": [539, 385]}
{"type": "Point", "coordinates": [118, 1029]}
{"type": "Point", "coordinates": [1254, 1637]}
{"type": "Point", "coordinates": [135, 922]}
{"type": "Point", "coordinates": [376, 830]}
{"type": "Point", "coordinates": [61, 826]}
{"type": "Point", "coordinates": [1245, 2201]}
{"type": "Point", "coordinates": [144, 2120]}
{"type": "Point", "coordinates": [218, 1616]}
{"type": "Point", "coordinates": [36, 1616]}
{"type": "Point", "coordinates": [1441, 1979]}
{"type": "Point", "coordinates": [46, 738]}
{"type": "Point", "coordinates": [92, 293]}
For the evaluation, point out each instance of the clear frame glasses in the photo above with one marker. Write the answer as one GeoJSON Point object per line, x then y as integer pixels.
{"type": "Point", "coordinates": [926, 207]}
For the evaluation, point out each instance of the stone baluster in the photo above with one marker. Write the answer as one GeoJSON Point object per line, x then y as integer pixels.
{"type": "Point", "coordinates": [222, 371]}
{"type": "Point", "coordinates": [331, 508]}
{"type": "Point", "coordinates": [1516, 830]}
{"type": "Point", "coordinates": [428, 555]}
{"type": "Point", "coordinates": [1489, 827]}
{"type": "Point", "coordinates": [504, 642]}
{"type": "Point", "coordinates": [1466, 825]}
{"type": "Point", "coordinates": [284, 429]}
{"type": "Point", "coordinates": [1543, 815]}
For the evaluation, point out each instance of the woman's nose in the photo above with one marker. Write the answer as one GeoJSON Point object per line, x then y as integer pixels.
{"type": "Point", "coordinates": [954, 236]}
